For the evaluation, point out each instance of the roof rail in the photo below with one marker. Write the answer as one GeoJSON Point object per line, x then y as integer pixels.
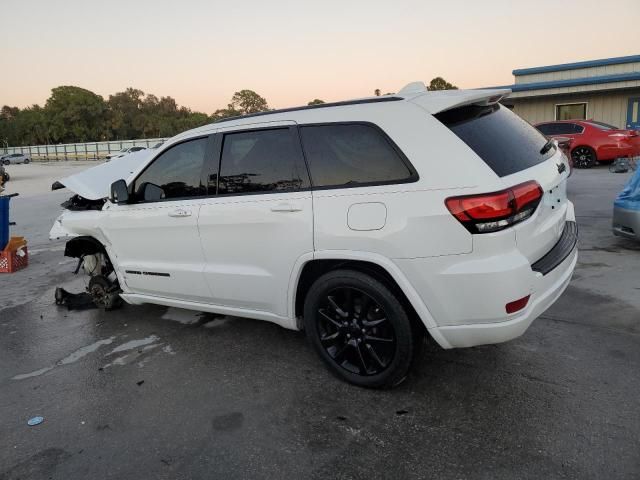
{"type": "Point", "coordinates": [312, 107]}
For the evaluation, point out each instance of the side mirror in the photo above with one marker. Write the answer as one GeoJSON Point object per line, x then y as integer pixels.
{"type": "Point", "coordinates": [119, 192]}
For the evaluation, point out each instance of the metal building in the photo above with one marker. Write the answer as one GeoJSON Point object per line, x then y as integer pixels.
{"type": "Point", "coordinates": [606, 90]}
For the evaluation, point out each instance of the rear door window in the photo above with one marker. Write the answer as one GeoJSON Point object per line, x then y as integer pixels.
{"type": "Point", "coordinates": [503, 140]}
{"type": "Point", "coordinates": [262, 161]}
{"type": "Point", "coordinates": [343, 155]}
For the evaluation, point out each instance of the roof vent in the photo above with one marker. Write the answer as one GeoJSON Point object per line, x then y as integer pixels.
{"type": "Point", "coordinates": [413, 88]}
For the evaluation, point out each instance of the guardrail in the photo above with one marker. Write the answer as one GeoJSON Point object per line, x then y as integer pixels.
{"type": "Point", "coordinates": [79, 151]}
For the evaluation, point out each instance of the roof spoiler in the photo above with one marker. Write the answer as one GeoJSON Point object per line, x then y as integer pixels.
{"type": "Point", "coordinates": [441, 100]}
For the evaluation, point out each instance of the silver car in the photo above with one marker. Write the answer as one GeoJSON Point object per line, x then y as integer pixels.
{"type": "Point", "coordinates": [13, 158]}
{"type": "Point", "coordinates": [626, 210]}
{"type": "Point", "coordinates": [123, 152]}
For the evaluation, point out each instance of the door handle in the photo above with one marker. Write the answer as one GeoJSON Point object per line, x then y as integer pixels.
{"type": "Point", "coordinates": [180, 212]}
{"type": "Point", "coordinates": [286, 207]}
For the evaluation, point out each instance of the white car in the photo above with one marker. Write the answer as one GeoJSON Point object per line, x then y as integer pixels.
{"type": "Point", "coordinates": [15, 158]}
{"type": "Point", "coordinates": [367, 223]}
{"type": "Point", "coordinates": [123, 152]}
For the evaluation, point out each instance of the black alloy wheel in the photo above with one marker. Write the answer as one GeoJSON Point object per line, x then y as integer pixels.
{"type": "Point", "coordinates": [360, 329]}
{"type": "Point", "coordinates": [355, 332]}
{"type": "Point", "coordinates": [583, 157]}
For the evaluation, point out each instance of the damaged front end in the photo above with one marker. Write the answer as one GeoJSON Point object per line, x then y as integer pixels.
{"type": "Point", "coordinates": [81, 222]}
{"type": "Point", "coordinates": [103, 288]}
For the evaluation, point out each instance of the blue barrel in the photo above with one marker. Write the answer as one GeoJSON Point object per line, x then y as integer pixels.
{"type": "Point", "coordinates": [4, 219]}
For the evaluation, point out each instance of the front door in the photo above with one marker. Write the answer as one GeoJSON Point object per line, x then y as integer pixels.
{"type": "Point", "coordinates": [156, 239]}
{"type": "Point", "coordinates": [633, 114]}
{"type": "Point", "coordinates": [261, 221]}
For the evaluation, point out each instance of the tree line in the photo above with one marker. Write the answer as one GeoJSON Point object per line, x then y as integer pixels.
{"type": "Point", "coordinates": [73, 114]}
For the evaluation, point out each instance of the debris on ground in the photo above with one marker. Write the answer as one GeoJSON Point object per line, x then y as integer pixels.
{"type": "Point", "coordinates": [35, 421]}
{"type": "Point", "coordinates": [74, 301]}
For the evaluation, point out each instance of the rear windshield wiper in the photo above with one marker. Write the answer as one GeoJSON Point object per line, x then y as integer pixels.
{"type": "Point", "coordinates": [547, 146]}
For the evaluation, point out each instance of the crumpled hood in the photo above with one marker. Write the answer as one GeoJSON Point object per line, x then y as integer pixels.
{"type": "Point", "coordinates": [95, 183]}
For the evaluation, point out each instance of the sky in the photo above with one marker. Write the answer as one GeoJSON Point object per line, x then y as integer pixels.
{"type": "Point", "coordinates": [202, 51]}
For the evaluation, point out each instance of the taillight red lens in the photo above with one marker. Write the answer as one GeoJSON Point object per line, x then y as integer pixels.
{"type": "Point", "coordinates": [491, 212]}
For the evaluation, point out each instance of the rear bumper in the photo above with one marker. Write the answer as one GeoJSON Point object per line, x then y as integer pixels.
{"type": "Point", "coordinates": [466, 295]}
{"type": "Point", "coordinates": [548, 289]}
{"type": "Point", "coordinates": [626, 223]}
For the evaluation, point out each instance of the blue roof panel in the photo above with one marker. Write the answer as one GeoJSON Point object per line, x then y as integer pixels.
{"type": "Point", "coordinates": [573, 82]}
{"type": "Point", "coordinates": [572, 66]}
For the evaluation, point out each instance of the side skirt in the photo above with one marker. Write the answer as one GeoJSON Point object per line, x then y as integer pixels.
{"type": "Point", "coordinates": [138, 299]}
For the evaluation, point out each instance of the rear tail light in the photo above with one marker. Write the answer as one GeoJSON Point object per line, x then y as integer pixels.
{"type": "Point", "coordinates": [491, 212]}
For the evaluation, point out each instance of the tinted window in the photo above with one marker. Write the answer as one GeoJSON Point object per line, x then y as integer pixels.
{"type": "Point", "coordinates": [136, 149]}
{"type": "Point", "coordinates": [498, 136]}
{"type": "Point", "coordinates": [351, 154]}
{"type": "Point", "coordinates": [546, 128]}
{"type": "Point", "coordinates": [575, 128]}
{"type": "Point", "coordinates": [567, 128]}
{"type": "Point", "coordinates": [177, 170]}
{"type": "Point", "coordinates": [261, 161]}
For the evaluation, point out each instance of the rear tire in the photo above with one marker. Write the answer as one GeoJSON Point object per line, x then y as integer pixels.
{"type": "Point", "coordinates": [26, 161]}
{"type": "Point", "coordinates": [360, 329]}
{"type": "Point", "coordinates": [6, 162]}
{"type": "Point", "coordinates": [583, 157]}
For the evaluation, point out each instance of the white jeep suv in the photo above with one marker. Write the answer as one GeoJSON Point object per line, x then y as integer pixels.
{"type": "Point", "coordinates": [367, 223]}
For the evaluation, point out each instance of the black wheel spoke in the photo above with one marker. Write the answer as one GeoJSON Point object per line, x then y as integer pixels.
{"type": "Point", "coordinates": [375, 356]}
{"type": "Point", "coordinates": [328, 318]}
{"type": "Point", "coordinates": [335, 306]}
{"type": "Point", "coordinates": [378, 339]}
{"type": "Point", "coordinates": [373, 323]}
{"type": "Point", "coordinates": [328, 338]}
{"type": "Point", "coordinates": [363, 364]}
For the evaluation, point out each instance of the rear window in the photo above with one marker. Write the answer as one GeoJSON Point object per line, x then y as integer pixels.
{"type": "Point", "coordinates": [351, 155]}
{"type": "Point", "coordinates": [505, 142]}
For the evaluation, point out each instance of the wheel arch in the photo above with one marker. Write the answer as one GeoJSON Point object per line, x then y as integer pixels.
{"type": "Point", "coordinates": [379, 267]}
{"type": "Point", "coordinates": [84, 245]}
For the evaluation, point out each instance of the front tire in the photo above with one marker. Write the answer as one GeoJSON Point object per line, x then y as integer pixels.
{"type": "Point", "coordinates": [7, 162]}
{"type": "Point", "coordinates": [360, 329]}
{"type": "Point", "coordinates": [26, 161]}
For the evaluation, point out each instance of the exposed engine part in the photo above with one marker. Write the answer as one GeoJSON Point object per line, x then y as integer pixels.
{"type": "Point", "coordinates": [80, 203]}
{"type": "Point", "coordinates": [105, 294]}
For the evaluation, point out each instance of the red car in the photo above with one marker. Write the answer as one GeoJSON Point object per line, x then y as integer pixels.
{"type": "Point", "coordinates": [593, 141]}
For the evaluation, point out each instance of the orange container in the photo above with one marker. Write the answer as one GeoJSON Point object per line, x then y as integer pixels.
{"type": "Point", "coordinates": [15, 255]}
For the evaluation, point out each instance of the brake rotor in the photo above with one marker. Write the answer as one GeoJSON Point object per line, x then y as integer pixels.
{"type": "Point", "coordinates": [104, 294]}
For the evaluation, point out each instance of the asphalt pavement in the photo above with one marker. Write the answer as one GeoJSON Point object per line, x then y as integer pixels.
{"type": "Point", "coordinates": [150, 392]}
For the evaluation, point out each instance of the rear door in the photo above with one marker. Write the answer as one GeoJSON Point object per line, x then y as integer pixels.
{"type": "Point", "coordinates": [261, 221]}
